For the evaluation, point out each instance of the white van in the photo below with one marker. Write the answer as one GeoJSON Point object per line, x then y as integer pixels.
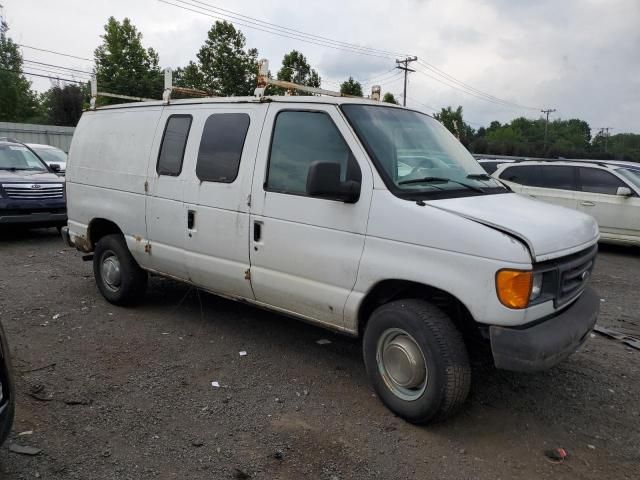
{"type": "Point", "coordinates": [362, 217]}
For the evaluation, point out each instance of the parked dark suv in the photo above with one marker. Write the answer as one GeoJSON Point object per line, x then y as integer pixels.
{"type": "Point", "coordinates": [31, 194]}
{"type": "Point", "coordinates": [7, 392]}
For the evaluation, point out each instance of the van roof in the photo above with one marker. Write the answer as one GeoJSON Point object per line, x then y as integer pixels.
{"type": "Point", "coordinates": [279, 99]}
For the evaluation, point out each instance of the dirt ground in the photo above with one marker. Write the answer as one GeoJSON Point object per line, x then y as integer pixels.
{"type": "Point", "coordinates": [127, 394]}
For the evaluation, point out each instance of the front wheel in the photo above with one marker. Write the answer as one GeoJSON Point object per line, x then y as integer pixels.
{"type": "Point", "coordinates": [118, 276]}
{"type": "Point", "coordinates": [416, 360]}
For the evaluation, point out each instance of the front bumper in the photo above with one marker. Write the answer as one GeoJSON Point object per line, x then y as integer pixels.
{"type": "Point", "coordinates": [545, 344]}
{"type": "Point", "coordinates": [33, 213]}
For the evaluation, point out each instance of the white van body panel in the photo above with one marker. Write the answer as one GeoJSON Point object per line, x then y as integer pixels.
{"type": "Point", "coordinates": [433, 247]}
{"type": "Point", "coordinates": [307, 258]}
{"type": "Point", "coordinates": [217, 248]}
{"type": "Point", "coordinates": [530, 220]}
{"type": "Point", "coordinates": [107, 171]}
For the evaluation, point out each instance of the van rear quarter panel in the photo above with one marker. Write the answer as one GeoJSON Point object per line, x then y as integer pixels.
{"type": "Point", "coordinates": [107, 170]}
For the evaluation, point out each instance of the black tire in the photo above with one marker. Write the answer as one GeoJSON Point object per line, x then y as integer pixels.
{"type": "Point", "coordinates": [448, 378]}
{"type": "Point", "coordinates": [132, 280]}
{"type": "Point", "coordinates": [8, 386]}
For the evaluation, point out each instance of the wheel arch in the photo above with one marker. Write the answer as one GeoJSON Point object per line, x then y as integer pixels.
{"type": "Point", "coordinates": [388, 290]}
{"type": "Point", "coordinates": [100, 227]}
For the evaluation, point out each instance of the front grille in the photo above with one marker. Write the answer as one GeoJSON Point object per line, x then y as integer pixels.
{"type": "Point", "coordinates": [574, 274]}
{"type": "Point", "coordinates": [33, 191]}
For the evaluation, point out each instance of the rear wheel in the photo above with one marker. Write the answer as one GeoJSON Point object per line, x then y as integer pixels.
{"type": "Point", "coordinates": [416, 360]}
{"type": "Point", "coordinates": [118, 276]}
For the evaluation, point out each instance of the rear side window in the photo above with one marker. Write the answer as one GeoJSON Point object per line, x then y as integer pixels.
{"type": "Point", "coordinates": [299, 139]}
{"type": "Point", "coordinates": [529, 175]}
{"type": "Point", "coordinates": [558, 177]}
{"type": "Point", "coordinates": [599, 181]}
{"type": "Point", "coordinates": [221, 147]}
{"type": "Point", "coordinates": [174, 142]}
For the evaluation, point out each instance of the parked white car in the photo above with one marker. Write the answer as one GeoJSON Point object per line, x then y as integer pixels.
{"type": "Point", "coordinates": [362, 217]}
{"type": "Point", "coordinates": [609, 192]}
{"type": "Point", "coordinates": [50, 155]}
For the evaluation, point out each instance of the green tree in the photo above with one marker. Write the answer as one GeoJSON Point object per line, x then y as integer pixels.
{"type": "Point", "coordinates": [296, 69]}
{"type": "Point", "coordinates": [124, 66]}
{"type": "Point", "coordinates": [18, 103]}
{"type": "Point", "coordinates": [189, 77]}
{"type": "Point", "coordinates": [351, 87]}
{"type": "Point", "coordinates": [63, 104]}
{"type": "Point", "coordinates": [225, 67]}
{"type": "Point", "coordinates": [454, 122]}
{"type": "Point", "coordinates": [390, 98]}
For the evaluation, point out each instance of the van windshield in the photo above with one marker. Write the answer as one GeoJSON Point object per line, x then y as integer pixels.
{"type": "Point", "coordinates": [17, 157]}
{"type": "Point", "coordinates": [415, 154]}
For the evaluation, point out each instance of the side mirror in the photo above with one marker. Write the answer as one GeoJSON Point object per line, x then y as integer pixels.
{"type": "Point", "coordinates": [624, 192]}
{"type": "Point", "coordinates": [55, 167]}
{"type": "Point", "coordinates": [323, 180]}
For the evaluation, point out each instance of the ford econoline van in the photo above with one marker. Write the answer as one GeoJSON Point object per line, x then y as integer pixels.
{"type": "Point", "coordinates": [362, 217]}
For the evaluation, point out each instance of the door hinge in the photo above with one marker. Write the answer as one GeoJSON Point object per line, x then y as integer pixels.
{"type": "Point", "coordinates": [249, 200]}
{"type": "Point", "coordinates": [146, 186]}
{"type": "Point", "coordinates": [247, 274]}
{"type": "Point", "coordinates": [147, 248]}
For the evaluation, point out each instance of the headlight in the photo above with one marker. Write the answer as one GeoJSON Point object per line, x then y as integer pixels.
{"type": "Point", "coordinates": [514, 287]}
{"type": "Point", "coordinates": [536, 286]}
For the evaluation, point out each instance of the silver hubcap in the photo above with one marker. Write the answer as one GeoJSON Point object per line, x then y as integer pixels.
{"type": "Point", "coordinates": [401, 364]}
{"type": "Point", "coordinates": [111, 271]}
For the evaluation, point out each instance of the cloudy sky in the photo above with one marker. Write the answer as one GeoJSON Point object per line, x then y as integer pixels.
{"type": "Point", "coordinates": [581, 57]}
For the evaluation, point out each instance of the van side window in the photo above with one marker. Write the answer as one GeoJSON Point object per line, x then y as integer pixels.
{"type": "Point", "coordinates": [599, 181]}
{"type": "Point", "coordinates": [524, 175]}
{"type": "Point", "coordinates": [174, 142]}
{"type": "Point", "coordinates": [299, 139]}
{"type": "Point", "coordinates": [221, 147]}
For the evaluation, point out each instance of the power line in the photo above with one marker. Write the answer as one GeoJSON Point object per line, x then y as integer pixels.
{"type": "Point", "coordinates": [53, 72]}
{"type": "Point", "coordinates": [248, 24]}
{"type": "Point", "coordinates": [242, 17]}
{"type": "Point", "coordinates": [55, 53]}
{"type": "Point", "coordinates": [39, 75]}
{"type": "Point", "coordinates": [466, 88]}
{"type": "Point", "coordinates": [286, 32]}
{"type": "Point", "coordinates": [58, 66]}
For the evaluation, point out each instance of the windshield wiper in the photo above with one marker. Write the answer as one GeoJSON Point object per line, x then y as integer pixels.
{"type": "Point", "coordinates": [13, 169]}
{"type": "Point", "coordinates": [440, 180]}
{"type": "Point", "coordinates": [479, 176]}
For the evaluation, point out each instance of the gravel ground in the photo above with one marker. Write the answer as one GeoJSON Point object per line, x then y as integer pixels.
{"type": "Point", "coordinates": [127, 394]}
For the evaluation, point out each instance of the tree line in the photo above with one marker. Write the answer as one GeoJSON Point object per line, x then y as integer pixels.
{"type": "Point", "coordinates": [226, 66]}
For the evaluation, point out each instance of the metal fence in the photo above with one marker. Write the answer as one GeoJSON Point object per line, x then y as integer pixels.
{"type": "Point", "coordinates": [31, 133]}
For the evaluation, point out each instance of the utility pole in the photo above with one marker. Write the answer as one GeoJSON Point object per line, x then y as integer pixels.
{"type": "Point", "coordinates": [546, 125]}
{"type": "Point", "coordinates": [405, 67]}
{"type": "Point", "coordinates": [604, 131]}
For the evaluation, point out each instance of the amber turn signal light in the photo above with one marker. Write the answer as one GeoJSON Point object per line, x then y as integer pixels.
{"type": "Point", "coordinates": [514, 287]}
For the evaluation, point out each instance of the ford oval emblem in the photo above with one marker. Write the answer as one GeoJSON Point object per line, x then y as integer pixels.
{"type": "Point", "coordinates": [36, 186]}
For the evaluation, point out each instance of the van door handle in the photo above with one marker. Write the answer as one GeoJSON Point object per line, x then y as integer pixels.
{"type": "Point", "coordinates": [257, 231]}
{"type": "Point", "coordinates": [587, 204]}
{"type": "Point", "coordinates": [191, 219]}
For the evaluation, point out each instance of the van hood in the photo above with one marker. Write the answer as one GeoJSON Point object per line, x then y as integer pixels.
{"type": "Point", "coordinates": [549, 231]}
{"type": "Point", "coordinates": [8, 176]}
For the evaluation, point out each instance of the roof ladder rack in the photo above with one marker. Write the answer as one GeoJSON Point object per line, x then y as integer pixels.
{"type": "Point", "coordinates": [169, 88]}
{"type": "Point", "coordinates": [264, 81]}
